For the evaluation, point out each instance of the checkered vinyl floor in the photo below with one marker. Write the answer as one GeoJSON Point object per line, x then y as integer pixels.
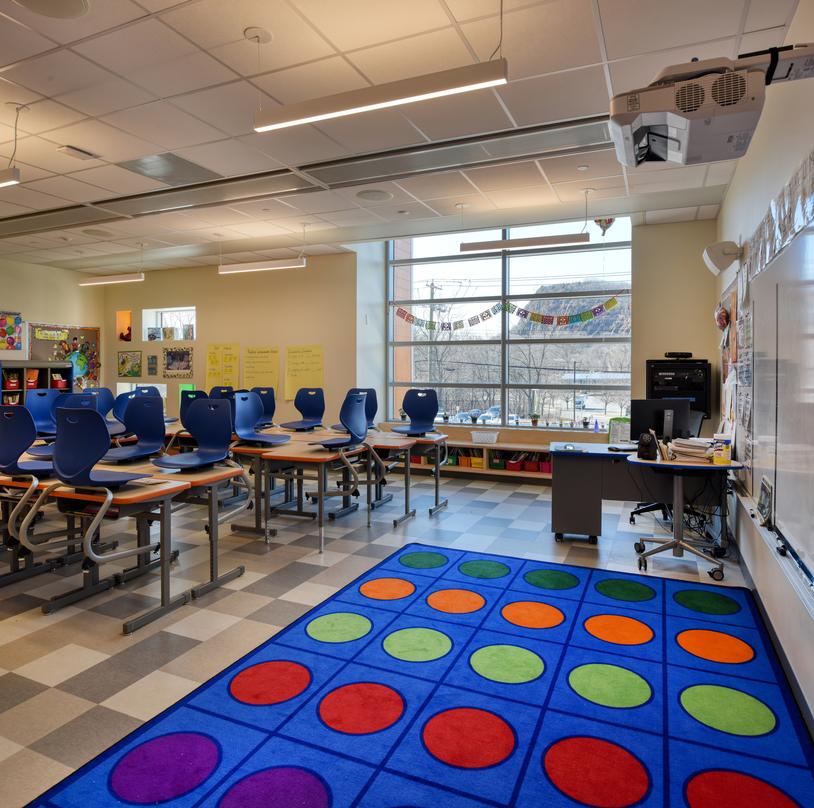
{"type": "Point", "coordinates": [71, 684]}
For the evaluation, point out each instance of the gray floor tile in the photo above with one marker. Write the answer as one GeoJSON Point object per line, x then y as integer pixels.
{"type": "Point", "coordinates": [16, 689]}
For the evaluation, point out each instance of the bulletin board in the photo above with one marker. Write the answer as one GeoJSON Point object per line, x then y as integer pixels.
{"type": "Point", "coordinates": [222, 365]}
{"type": "Point", "coordinates": [304, 367]}
{"type": "Point", "coordinates": [261, 366]}
{"type": "Point", "coordinates": [76, 344]}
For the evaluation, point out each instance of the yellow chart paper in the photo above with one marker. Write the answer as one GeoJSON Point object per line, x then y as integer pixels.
{"type": "Point", "coordinates": [222, 365]}
{"type": "Point", "coordinates": [304, 367]}
{"type": "Point", "coordinates": [261, 367]}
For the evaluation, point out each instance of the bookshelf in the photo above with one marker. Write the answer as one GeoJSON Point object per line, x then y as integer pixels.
{"type": "Point", "coordinates": [19, 375]}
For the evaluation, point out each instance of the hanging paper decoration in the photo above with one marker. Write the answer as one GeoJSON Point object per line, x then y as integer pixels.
{"type": "Point", "coordinates": [604, 224]}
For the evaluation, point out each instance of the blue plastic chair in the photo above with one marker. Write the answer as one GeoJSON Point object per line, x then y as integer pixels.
{"type": "Point", "coordinates": [248, 416]}
{"type": "Point", "coordinates": [74, 401]}
{"type": "Point", "coordinates": [104, 398]}
{"type": "Point", "coordinates": [147, 390]}
{"type": "Point", "coordinates": [221, 392]}
{"type": "Point", "coordinates": [310, 402]}
{"type": "Point", "coordinates": [421, 407]}
{"type": "Point", "coordinates": [371, 407]}
{"type": "Point", "coordinates": [82, 441]}
{"type": "Point", "coordinates": [120, 405]}
{"type": "Point", "coordinates": [269, 404]}
{"type": "Point", "coordinates": [40, 403]}
{"type": "Point", "coordinates": [145, 420]}
{"type": "Point", "coordinates": [187, 397]}
{"type": "Point", "coordinates": [209, 421]}
{"type": "Point", "coordinates": [353, 418]}
{"type": "Point", "coordinates": [17, 433]}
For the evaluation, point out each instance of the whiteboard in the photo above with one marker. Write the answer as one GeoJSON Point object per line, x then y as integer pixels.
{"type": "Point", "coordinates": [783, 314]}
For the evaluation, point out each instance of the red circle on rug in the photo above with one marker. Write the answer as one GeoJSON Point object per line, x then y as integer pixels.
{"type": "Point", "coordinates": [719, 788]}
{"type": "Point", "coordinates": [596, 772]}
{"type": "Point", "coordinates": [468, 738]}
{"type": "Point", "coordinates": [270, 682]}
{"type": "Point", "coordinates": [361, 708]}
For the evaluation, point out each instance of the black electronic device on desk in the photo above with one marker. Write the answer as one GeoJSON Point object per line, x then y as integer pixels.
{"type": "Point", "coordinates": [668, 418]}
{"type": "Point", "coordinates": [680, 376]}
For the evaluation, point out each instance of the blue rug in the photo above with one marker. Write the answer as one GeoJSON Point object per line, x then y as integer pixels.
{"type": "Point", "coordinates": [448, 679]}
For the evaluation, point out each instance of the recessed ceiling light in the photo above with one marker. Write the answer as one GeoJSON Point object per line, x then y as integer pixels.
{"type": "Point", "coordinates": [97, 232]}
{"type": "Point", "coordinates": [79, 154]}
{"type": "Point", "coordinates": [254, 33]}
{"type": "Point", "coordinates": [583, 167]}
{"type": "Point", "coordinates": [61, 9]}
{"type": "Point", "coordinates": [403, 212]}
{"type": "Point", "coordinates": [374, 195]}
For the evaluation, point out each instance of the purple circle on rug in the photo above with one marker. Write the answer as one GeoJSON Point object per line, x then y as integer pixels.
{"type": "Point", "coordinates": [282, 787]}
{"type": "Point", "coordinates": [164, 768]}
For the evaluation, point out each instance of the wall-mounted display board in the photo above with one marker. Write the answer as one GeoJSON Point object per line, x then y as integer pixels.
{"type": "Point", "coordinates": [78, 345]}
{"type": "Point", "coordinates": [304, 367]}
{"type": "Point", "coordinates": [261, 367]}
{"type": "Point", "coordinates": [222, 365]}
{"type": "Point", "coordinates": [11, 331]}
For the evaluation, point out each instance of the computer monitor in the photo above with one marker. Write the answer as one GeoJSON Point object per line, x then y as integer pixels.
{"type": "Point", "coordinates": [668, 417]}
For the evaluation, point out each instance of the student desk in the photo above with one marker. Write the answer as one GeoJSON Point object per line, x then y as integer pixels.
{"type": "Point", "coordinates": [392, 446]}
{"type": "Point", "coordinates": [587, 474]}
{"type": "Point", "coordinates": [434, 444]}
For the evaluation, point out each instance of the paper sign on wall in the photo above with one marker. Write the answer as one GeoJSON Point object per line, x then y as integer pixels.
{"type": "Point", "coordinates": [222, 365]}
{"type": "Point", "coordinates": [304, 367]}
{"type": "Point", "coordinates": [261, 367]}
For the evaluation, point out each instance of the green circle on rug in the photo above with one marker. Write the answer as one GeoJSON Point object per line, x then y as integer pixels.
{"type": "Point", "coordinates": [551, 579]}
{"type": "Point", "coordinates": [338, 627]}
{"type": "Point", "coordinates": [728, 710]}
{"type": "Point", "coordinates": [507, 664]}
{"type": "Point", "coordinates": [706, 602]}
{"type": "Point", "coordinates": [621, 589]}
{"type": "Point", "coordinates": [417, 644]}
{"type": "Point", "coordinates": [610, 685]}
{"type": "Point", "coordinates": [423, 560]}
{"type": "Point", "coordinates": [484, 569]}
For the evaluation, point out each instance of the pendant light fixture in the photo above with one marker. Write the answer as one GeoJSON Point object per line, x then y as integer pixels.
{"type": "Point", "coordinates": [107, 280]}
{"type": "Point", "coordinates": [11, 174]}
{"type": "Point", "coordinates": [300, 262]}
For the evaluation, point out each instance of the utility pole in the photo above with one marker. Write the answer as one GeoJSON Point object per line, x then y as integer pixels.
{"type": "Point", "coordinates": [432, 286]}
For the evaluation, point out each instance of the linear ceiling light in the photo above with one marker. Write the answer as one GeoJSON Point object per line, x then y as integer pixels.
{"type": "Point", "coordinates": [516, 243]}
{"type": "Point", "coordinates": [9, 176]}
{"type": "Point", "coordinates": [380, 96]}
{"type": "Point", "coordinates": [263, 266]}
{"type": "Point", "coordinates": [103, 280]}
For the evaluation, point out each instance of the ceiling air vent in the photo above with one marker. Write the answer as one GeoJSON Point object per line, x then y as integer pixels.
{"type": "Point", "coordinates": [689, 96]}
{"type": "Point", "coordinates": [728, 89]}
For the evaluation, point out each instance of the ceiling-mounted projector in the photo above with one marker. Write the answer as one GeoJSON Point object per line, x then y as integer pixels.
{"type": "Point", "coordinates": [704, 111]}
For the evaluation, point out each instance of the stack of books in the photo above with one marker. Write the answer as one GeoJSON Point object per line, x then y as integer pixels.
{"type": "Point", "coordinates": [697, 450]}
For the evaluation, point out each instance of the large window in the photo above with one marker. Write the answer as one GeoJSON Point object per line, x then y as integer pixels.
{"type": "Point", "coordinates": [507, 336]}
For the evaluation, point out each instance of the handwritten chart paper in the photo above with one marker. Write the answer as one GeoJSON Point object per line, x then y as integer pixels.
{"type": "Point", "coordinates": [222, 365]}
{"type": "Point", "coordinates": [261, 367]}
{"type": "Point", "coordinates": [304, 367]}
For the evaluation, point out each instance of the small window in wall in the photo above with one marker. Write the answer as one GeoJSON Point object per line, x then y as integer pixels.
{"type": "Point", "coordinates": [129, 387]}
{"type": "Point", "coordinates": [177, 323]}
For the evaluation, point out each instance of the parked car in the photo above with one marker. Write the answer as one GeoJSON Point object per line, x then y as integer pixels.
{"type": "Point", "coordinates": [492, 416]}
{"type": "Point", "coordinates": [580, 401]}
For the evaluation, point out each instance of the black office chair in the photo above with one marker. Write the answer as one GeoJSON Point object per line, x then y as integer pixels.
{"type": "Point", "coordinates": [694, 428]}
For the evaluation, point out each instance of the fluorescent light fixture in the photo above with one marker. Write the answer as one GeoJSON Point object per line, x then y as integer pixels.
{"type": "Point", "coordinates": [380, 96]}
{"type": "Point", "coordinates": [79, 154]}
{"type": "Point", "coordinates": [9, 176]}
{"type": "Point", "coordinates": [516, 243]}
{"type": "Point", "coordinates": [103, 280]}
{"type": "Point", "coordinates": [262, 266]}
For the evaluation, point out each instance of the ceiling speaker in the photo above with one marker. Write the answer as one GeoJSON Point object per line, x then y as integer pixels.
{"type": "Point", "coordinates": [61, 9]}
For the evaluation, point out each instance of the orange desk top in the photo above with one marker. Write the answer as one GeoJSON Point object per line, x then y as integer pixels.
{"type": "Point", "coordinates": [151, 488]}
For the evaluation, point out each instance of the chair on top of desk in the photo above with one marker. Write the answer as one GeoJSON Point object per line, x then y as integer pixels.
{"type": "Point", "coordinates": [371, 407]}
{"type": "Point", "coordinates": [248, 417]}
{"type": "Point", "coordinates": [74, 401]}
{"type": "Point", "coordinates": [269, 405]}
{"type": "Point", "coordinates": [152, 390]}
{"type": "Point", "coordinates": [104, 403]}
{"type": "Point", "coordinates": [221, 391]}
{"type": "Point", "coordinates": [310, 403]}
{"type": "Point", "coordinates": [186, 399]}
{"type": "Point", "coordinates": [354, 421]}
{"type": "Point", "coordinates": [120, 405]}
{"type": "Point", "coordinates": [17, 433]}
{"type": "Point", "coordinates": [209, 421]}
{"type": "Point", "coordinates": [40, 403]}
{"type": "Point", "coordinates": [421, 407]}
{"type": "Point", "coordinates": [144, 419]}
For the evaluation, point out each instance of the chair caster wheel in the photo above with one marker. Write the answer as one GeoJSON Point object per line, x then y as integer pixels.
{"type": "Point", "coordinates": [632, 519]}
{"type": "Point", "coordinates": [558, 537]}
{"type": "Point", "coordinates": [206, 529]}
{"type": "Point", "coordinates": [642, 564]}
{"type": "Point", "coordinates": [639, 547]}
{"type": "Point", "coordinates": [592, 540]}
{"type": "Point", "coordinates": [716, 574]}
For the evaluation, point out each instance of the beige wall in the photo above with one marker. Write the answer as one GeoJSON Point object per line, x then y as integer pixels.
{"type": "Point", "coordinates": [316, 305]}
{"type": "Point", "coordinates": [673, 296]}
{"type": "Point", "coordinates": [371, 320]}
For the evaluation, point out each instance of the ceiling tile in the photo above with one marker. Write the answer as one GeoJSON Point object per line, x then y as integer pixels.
{"type": "Point", "coordinates": [296, 146]}
{"type": "Point", "coordinates": [164, 124]}
{"type": "Point", "coordinates": [602, 188]}
{"type": "Point", "coordinates": [18, 42]}
{"type": "Point", "coordinates": [436, 186]}
{"type": "Point", "coordinates": [373, 131]}
{"type": "Point", "coordinates": [11, 92]}
{"type": "Point", "coordinates": [768, 13]}
{"type": "Point", "coordinates": [30, 172]}
{"type": "Point", "coordinates": [562, 96]}
{"type": "Point", "coordinates": [674, 179]}
{"type": "Point", "coordinates": [40, 116]}
{"type": "Point", "coordinates": [317, 201]}
{"type": "Point", "coordinates": [633, 26]}
{"type": "Point", "coordinates": [708, 211]}
{"type": "Point", "coordinates": [472, 203]}
{"type": "Point", "coordinates": [405, 211]}
{"type": "Point", "coordinates": [720, 173]}
{"type": "Point", "coordinates": [56, 73]}
{"type": "Point", "coordinates": [22, 195]}
{"type": "Point", "coordinates": [10, 209]}
{"type": "Point", "coordinates": [70, 189]}
{"type": "Point", "coordinates": [230, 107]}
{"type": "Point", "coordinates": [260, 229]}
{"type": "Point", "coordinates": [265, 209]}
{"type": "Point", "coordinates": [42, 153]}
{"type": "Point", "coordinates": [107, 96]}
{"type": "Point", "coordinates": [190, 71]}
{"type": "Point", "coordinates": [119, 181]}
{"type": "Point", "coordinates": [396, 195]}
{"type": "Point", "coordinates": [670, 215]}
{"type": "Point", "coordinates": [352, 218]}
{"type": "Point", "coordinates": [511, 175]}
{"type": "Point", "coordinates": [100, 17]}
{"type": "Point", "coordinates": [760, 40]}
{"type": "Point", "coordinates": [314, 80]}
{"type": "Point", "coordinates": [229, 158]}
{"type": "Point", "coordinates": [472, 9]}
{"type": "Point", "coordinates": [540, 39]}
{"type": "Point", "coordinates": [112, 144]}
{"type": "Point", "coordinates": [360, 23]}
{"type": "Point", "coordinates": [564, 169]}
{"type": "Point", "coordinates": [414, 56]}
{"type": "Point", "coordinates": [312, 224]}
{"type": "Point", "coordinates": [522, 197]}
{"type": "Point", "coordinates": [459, 115]}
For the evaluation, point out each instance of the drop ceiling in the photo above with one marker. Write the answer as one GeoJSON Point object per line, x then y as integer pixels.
{"type": "Point", "coordinates": [132, 80]}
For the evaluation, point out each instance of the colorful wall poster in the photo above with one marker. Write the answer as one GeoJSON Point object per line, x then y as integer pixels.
{"type": "Point", "coordinates": [129, 364]}
{"type": "Point", "coordinates": [222, 365]}
{"type": "Point", "coordinates": [11, 331]}
{"type": "Point", "coordinates": [304, 367]}
{"type": "Point", "coordinates": [178, 363]}
{"type": "Point", "coordinates": [78, 345]}
{"type": "Point", "coordinates": [152, 365]}
{"type": "Point", "coordinates": [261, 366]}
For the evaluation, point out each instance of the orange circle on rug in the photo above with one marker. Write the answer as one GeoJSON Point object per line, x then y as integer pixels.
{"type": "Point", "coordinates": [387, 588]}
{"type": "Point", "coordinates": [456, 601]}
{"type": "Point", "coordinates": [715, 646]}
{"type": "Point", "coordinates": [531, 614]}
{"type": "Point", "coordinates": [619, 630]}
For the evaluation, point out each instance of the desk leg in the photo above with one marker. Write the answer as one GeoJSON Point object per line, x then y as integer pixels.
{"type": "Point", "coordinates": [262, 507]}
{"type": "Point", "coordinates": [347, 506]}
{"type": "Point", "coordinates": [215, 580]}
{"type": "Point", "coordinates": [439, 503]}
{"type": "Point", "coordinates": [368, 483]}
{"type": "Point", "coordinates": [292, 507]}
{"type": "Point", "coordinates": [409, 513]}
{"type": "Point", "coordinates": [143, 563]}
{"type": "Point", "coordinates": [678, 515]}
{"type": "Point", "coordinates": [322, 484]}
{"type": "Point", "coordinates": [168, 603]}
